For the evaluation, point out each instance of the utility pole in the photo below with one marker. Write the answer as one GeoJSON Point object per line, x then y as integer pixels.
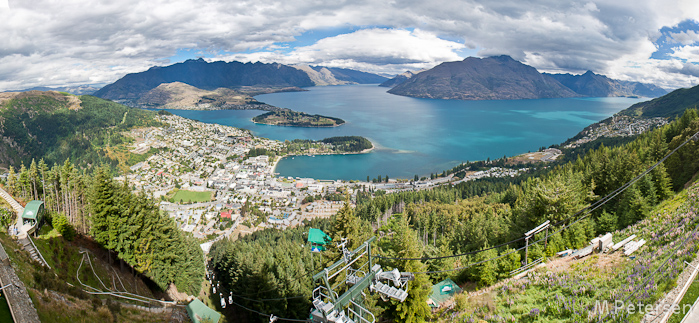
{"type": "Point", "coordinates": [544, 226]}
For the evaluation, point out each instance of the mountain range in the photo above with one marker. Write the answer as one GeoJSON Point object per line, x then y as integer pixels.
{"type": "Point", "coordinates": [595, 85]}
{"type": "Point", "coordinates": [205, 76]}
{"type": "Point", "coordinates": [321, 75]}
{"type": "Point", "coordinates": [191, 84]}
{"type": "Point", "coordinates": [503, 78]}
{"type": "Point", "coordinates": [226, 85]}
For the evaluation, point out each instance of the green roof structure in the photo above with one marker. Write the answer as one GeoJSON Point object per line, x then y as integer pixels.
{"type": "Point", "coordinates": [317, 238]}
{"type": "Point", "coordinates": [442, 292]}
{"type": "Point", "coordinates": [33, 210]}
{"type": "Point", "coordinates": [198, 311]}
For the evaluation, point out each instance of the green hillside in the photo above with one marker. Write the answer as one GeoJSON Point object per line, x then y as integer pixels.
{"type": "Point", "coordinates": [671, 105]}
{"type": "Point", "coordinates": [57, 126]}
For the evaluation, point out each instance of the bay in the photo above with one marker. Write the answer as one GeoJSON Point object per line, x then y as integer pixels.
{"type": "Point", "coordinates": [417, 136]}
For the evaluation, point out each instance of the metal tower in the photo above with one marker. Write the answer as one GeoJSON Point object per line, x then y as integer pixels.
{"type": "Point", "coordinates": [329, 307]}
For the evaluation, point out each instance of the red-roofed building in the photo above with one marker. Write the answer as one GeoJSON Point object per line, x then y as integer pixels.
{"type": "Point", "coordinates": [226, 214]}
{"type": "Point", "coordinates": [299, 185]}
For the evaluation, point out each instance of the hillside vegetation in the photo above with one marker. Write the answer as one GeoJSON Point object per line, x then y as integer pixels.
{"type": "Point", "coordinates": [57, 126]}
{"type": "Point", "coordinates": [58, 294]}
{"type": "Point", "coordinates": [670, 106]}
{"type": "Point", "coordinates": [128, 225]}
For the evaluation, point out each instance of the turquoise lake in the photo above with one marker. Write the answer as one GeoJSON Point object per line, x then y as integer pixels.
{"type": "Point", "coordinates": [417, 136]}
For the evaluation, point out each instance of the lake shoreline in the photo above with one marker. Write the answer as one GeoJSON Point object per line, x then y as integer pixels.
{"type": "Point", "coordinates": [279, 158]}
{"type": "Point", "coordinates": [284, 125]}
{"type": "Point", "coordinates": [417, 136]}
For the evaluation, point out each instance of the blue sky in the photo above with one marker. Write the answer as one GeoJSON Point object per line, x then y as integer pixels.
{"type": "Point", "coordinates": [49, 43]}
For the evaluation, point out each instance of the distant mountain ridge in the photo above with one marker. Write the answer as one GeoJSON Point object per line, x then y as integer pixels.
{"type": "Point", "coordinates": [75, 90]}
{"type": "Point", "coordinates": [595, 85]}
{"type": "Point", "coordinates": [142, 89]}
{"type": "Point", "coordinates": [352, 76]}
{"type": "Point", "coordinates": [321, 75]}
{"type": "Point", "coordinates": [501, 77]}
{"type": "Point", "coordinates": [206, 76]}
{"type": "Point", "coordinates": [399, 79]}
{"type": "Point", "coordinates": [492, 78]}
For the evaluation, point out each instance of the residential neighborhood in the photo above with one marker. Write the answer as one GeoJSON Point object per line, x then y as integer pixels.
{"type": "Point", "coordinates": [618, 126]}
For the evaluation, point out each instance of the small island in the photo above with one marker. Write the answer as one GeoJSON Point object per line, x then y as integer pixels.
{"type": "Point", "coordinates": [297, 119]}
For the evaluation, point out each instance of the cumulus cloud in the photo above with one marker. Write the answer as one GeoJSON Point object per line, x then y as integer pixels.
{"type": "Point", "coordinates": [686, 37]}
{"type": "Point", "coordinates": [686, 53]}
{"type": "Point", "coordinates": [49, 42]}
{"type": "Point", "coordinates": [376, 50]}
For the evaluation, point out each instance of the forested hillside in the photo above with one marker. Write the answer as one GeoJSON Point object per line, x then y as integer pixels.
{"type": "Point", "coordinates": [450, 221]}
{"type": "Point", "coordinates": [129, 225]}
{"type": "Point", "coordinates": [671, 105]}
{"type": "Point", "coordinates": [58, 126]}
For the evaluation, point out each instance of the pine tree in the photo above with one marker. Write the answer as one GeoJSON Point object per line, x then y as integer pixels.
{"type": "Point", "coordinates": [103, 204]}
{"type": "Point", "coordinates": [23, 180]}
{"type": "Point", "coordinates": [11, 181]}
{"type": "Point", "coordinates": [33, 175]}
{"type": "Point", "coordinates": [607, 222]}
{"type": "Point", "coordinates": [347, 226]}
{"type": "Point", "coordinates": [485, 273]}
{"type": "Point", "coordinates": [43, 169]}
{"type": "Point", "coordinates": [414, 308]}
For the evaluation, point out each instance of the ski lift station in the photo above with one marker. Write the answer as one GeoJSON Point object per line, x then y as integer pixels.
{"type": "Point", "coordinates": [32, 216]}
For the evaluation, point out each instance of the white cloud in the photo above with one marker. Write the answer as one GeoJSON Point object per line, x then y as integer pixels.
{"type": "Point", "coordinates": [376, 50]}
{"type": "Point", "coordinates": [48, 42]}
{"type": "Point", "coordinates": [687, 53]}
{"type": "Point", "coordinates": [686, 37]}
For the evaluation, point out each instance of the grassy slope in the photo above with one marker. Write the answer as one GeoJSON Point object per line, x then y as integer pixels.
{"type": "Point", "coordinates": [51, 294]}
{"type": "Point", "coordinates": [566, 287]}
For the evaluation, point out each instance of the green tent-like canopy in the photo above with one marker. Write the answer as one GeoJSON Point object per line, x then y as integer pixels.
{"type": "Point", "coordinates": [198, 311]}
{"type": "Point", "coordinates": [318, 239]}
{"type": "Point", "coordinates": [33, 210]}
{"type": "Point", "coordinates": [442, 292]}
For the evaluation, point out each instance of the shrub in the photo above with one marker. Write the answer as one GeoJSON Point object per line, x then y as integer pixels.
{"type": "Point", "coordinates": [60, 223]}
